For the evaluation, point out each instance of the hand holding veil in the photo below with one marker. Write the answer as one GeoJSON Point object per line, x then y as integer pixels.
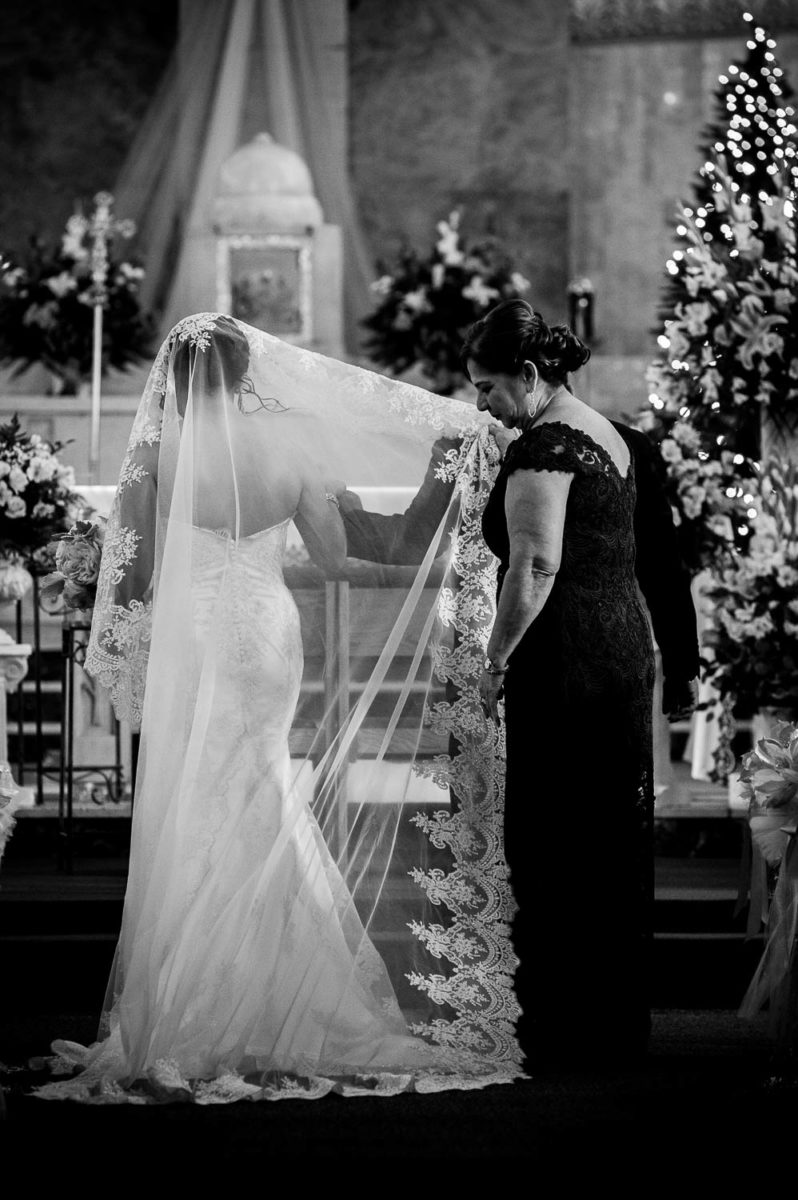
{"type": "Point", "coordinates": [317, 887]}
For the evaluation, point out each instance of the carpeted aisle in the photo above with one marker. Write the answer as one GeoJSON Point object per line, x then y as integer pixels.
{"type": "Point", "coordinates": [704, 1106]}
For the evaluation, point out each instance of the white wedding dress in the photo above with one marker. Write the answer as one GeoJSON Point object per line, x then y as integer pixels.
{"type": "Point", "coordinates": [254, 960]}
{"type": "Point", "coordinates": [246, 965]}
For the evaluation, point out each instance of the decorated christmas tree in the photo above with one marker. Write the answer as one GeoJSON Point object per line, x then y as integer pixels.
{"type": "Point", "coordinates": [728, 366]}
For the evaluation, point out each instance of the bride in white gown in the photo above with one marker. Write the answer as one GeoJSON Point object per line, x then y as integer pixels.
{"type": "Point", "coordinates": [246, 965]}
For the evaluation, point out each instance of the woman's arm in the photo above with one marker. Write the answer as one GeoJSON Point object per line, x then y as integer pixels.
{"type": "Point", "coordinates": [321, 528]}
{"type": "Point", "coordinates": [535, 504]}
{"type": "Point", "coordinates": [138, 514]}
{"type": "Point", "coordinates": [535, 507]}
{"type": "Point", "coordinates": [401, 538]}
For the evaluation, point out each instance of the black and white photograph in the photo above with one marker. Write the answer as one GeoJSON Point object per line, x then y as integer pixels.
{"type": "Point", "coordinates": [399, 594]}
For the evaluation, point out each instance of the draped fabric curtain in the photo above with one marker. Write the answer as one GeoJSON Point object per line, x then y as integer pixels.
{"type": "Point", "coordinates": [239, 67]}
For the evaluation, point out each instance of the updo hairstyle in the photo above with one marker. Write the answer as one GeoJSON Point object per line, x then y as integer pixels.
{"type": "Point", "coordinates": [223, 363]}
{"type": "Point", "coordinates": [512, 333]}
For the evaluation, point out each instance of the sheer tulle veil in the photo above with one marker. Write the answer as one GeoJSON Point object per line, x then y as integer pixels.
{"type": "Point", "coordinates": [317, 892]}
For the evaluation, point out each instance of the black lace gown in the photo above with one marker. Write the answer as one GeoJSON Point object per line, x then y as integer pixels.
{"type": "Point", "coordinates": [579, 800]}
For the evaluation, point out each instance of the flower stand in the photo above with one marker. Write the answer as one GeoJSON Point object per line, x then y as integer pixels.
{"type": "Point", "coordinates": [82, 732]}
{"type": "Point", "coordinates": [13, 668]}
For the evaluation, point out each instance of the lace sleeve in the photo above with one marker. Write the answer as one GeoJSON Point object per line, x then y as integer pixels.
{"type": "Point", "coordinates": [119, 643]}
{"type": "Point", "coordinates": [553, 446]}
{"type": "Point", "coordinates": [121, 627]}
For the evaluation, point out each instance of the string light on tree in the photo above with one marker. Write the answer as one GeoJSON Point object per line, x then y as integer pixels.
{"type": "Point", "coordinates": [729, 348]}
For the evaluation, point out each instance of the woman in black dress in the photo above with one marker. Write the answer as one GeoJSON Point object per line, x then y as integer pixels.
{"type": "Point", "coordinates": [571, 653]}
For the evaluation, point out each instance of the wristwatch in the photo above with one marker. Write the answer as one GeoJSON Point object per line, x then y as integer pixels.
{"type": "Point", "coordinates": [493, 669]}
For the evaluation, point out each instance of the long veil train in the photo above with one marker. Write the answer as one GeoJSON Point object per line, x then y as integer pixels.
{"type": "Point", "coordinates": [317, 895]}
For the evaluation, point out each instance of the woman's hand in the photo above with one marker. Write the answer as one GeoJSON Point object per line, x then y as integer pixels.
{"type": "Point", "coordinates": [502, 437]}
{"type": "Point", "coordinates": [491, 690]}
{"type": "Point", "coordinates": [679, 699]}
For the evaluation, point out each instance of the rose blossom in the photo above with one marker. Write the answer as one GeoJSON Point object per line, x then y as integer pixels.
{"type": "Point", "coordinates": [693, 498]}
{"type": "Point", "coordinates": [15, 580]}
{"type": "Point", "coordinates": [18, 479]}
{"type": "Point", "coordinates": [78, 557]}
{"type": "Point", "coordinates": [670, 451]}
{"type": "Point", "coordinates": [16, 508]}
{"type": "Point", "coordinates": [42, 469]}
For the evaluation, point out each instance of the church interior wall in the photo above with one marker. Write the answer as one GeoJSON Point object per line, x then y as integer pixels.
{"type": "Point", "coordinates": [574, 153]}
{"type": "Point", "coordinates": [75, 83]}
{"type": "Point", "coordinates": [465, 106]}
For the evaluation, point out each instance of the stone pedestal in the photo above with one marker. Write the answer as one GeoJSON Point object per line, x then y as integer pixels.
{"type": "Point", "coordinates": [94, 724]}
{"type": "Point", "coordinates": [278, 265]}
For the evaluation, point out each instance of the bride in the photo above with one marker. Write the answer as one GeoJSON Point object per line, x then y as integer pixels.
{"type": "Point", "coordinates": [305, 911]}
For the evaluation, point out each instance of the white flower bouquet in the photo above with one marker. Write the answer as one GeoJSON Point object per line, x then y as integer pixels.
{"type": "Point", "coordinates": [754, 618]}
{"type": "Point", "coordinates": [769, 780]}
{"type": "Point", "coordinates": [37, 501]}
{"type": "Point", "coordinates": [426, 304]}
{"type": "Point", "coordinates": [46, 304]}
{"type": "Point", "coordinates": [710, 500]}
{"type": "Point", "coordinates": [728, 354]}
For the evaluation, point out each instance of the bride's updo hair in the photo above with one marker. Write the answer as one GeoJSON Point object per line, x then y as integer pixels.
{"type": "Point", "coordinates": [223, 362]}
{"type": "Point", "coordinates": [512, 333]}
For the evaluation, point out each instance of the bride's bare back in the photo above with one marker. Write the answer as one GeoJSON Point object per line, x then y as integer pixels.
{"type": "Point", "coordinates": [266, 487]}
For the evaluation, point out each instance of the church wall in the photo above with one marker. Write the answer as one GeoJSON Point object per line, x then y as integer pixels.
{"type": "Point", "coordinates": [75, 82]}
{"type": "Point", "coordinates": [573, 152]}
{"type": "Point", "coordinates": [464, 105]}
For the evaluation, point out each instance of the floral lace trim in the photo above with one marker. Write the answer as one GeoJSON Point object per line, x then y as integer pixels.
{"type": "Point", "coordinates": [415, 405]}
{"type": "Point", "coordinates": [131, 473]}
{"type": "Point", "coordinates": [119, 552]}
{"type": "Point", "coordinates": [148, 435]}
{"type": "Point", "coordinates": [118, 655]}
{"type": "Point", "coordinates": [196, 330]}
{"type": "Point", "coordinates": [165, 1083]}
{"type": "Point", "coordinates": [476, 945]}
{"type": "Point", "coordinates": [557, 446]}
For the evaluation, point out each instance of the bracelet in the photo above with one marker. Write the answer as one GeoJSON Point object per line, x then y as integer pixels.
{"type": "Point", "coordinates": [492, 669]}
{"type": "Point", "coordinates": [331, 496]}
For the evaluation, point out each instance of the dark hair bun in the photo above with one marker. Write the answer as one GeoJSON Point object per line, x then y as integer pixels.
{"type": "Point", "coordinates": [513, 332]}
{"type": "Point", "coordinates": [566, 350]}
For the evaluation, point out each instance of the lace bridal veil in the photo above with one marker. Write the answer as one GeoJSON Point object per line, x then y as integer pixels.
{"type": "Point", "coordinates": [317, 892]}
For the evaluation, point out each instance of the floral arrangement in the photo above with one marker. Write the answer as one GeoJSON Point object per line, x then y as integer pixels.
{"type": "Point", "coordinates": [753, 632]}
{"type": "Point", "coordinates": [710, 498]}
{"type": "Point", "coordinates": [732, 334]}
{"type": "Point", "coordinates": [427, 303]}
{"type": "Point", "coordinates": [728, 346]}
{"type": "Point", "coordinates": [769, 781]}
{"type": "Point", "coordinates": [46, 301]}
{"type": "Point", "coordinates": [37, 500]}
{"type": "Point", "coordinates": [72, 586]}
{"type": "Point", "coordinates": [729, 342]}
{"type": "Point", "coordinates": [729, 352]}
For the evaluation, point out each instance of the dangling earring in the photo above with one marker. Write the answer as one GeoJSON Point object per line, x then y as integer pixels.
{"type": "Point", "coordinates": [531, 393]}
